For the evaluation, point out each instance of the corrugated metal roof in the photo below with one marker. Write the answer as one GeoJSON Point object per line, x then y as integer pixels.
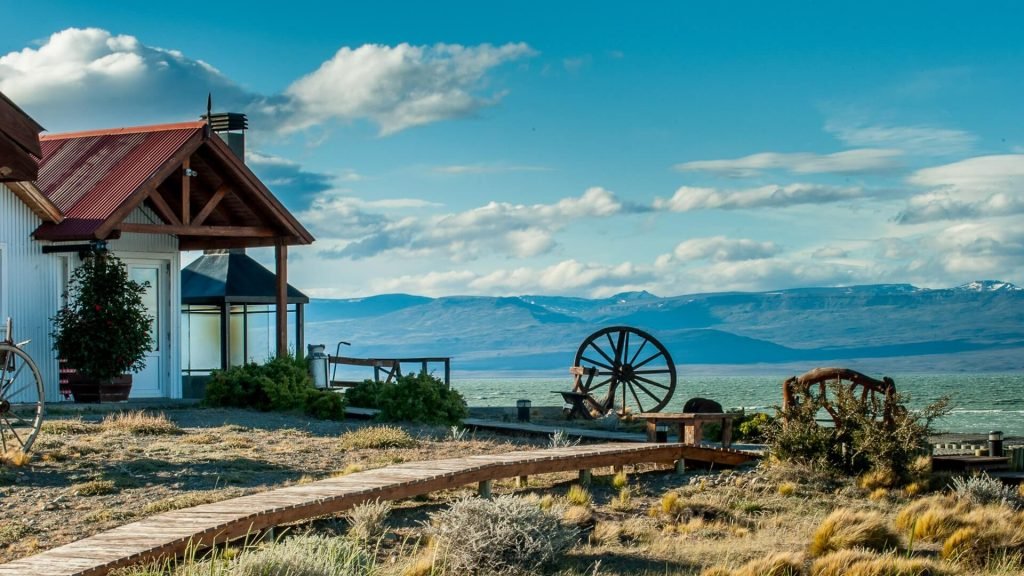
{"type": "Point", "coordinates": [89, 175]}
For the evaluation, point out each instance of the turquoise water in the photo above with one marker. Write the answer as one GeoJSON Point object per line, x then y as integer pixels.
{"type": "Point", "coordinates": [982, 402]}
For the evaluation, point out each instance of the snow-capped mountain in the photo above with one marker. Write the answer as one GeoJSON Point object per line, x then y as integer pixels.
{"type": "Point", "coordinates": [988, 286]}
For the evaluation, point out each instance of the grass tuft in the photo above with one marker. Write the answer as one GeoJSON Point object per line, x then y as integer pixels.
{"type": "Point", "coordinates": [787, 489]}
{"type": "Point", "coordinates": [620, 480]}
{"type": "Point", "coordinates": [377, 437]}
{"type": "Point", "coordinates": [847, 528]}
{"type": "Point", "coordinates": [94, 488]}
{"type": "Point", "coordinates": [367, 521]}
{"type": "Point", "coordinates": [67, 427]}
{"type": "Point", "coordinates": [139, 422]}
{"type": "Point", "coordinates": [578, 496]}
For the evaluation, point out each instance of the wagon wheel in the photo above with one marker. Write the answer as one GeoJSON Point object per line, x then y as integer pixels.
{"type": "Point", "coordinates": [816, 385]}
{"type": "Point", "coordinates": [632, 370]}
{"type": "Point", "coordinates": [21, 400]}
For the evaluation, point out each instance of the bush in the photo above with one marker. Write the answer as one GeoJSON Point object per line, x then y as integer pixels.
{"type": "Point", "coordinates": [859, 442]}
{"type": "Point", "coordinates": [983, 489]}
{"type": "Point", "coordinates": [411, 398]}
{"type": "Point", "coordinates": [506, 535]}
{"type": "Point", "coordinates": [367, 521]}
{"type": "Point", "coordinates": [304, 556]}
{"type": "Point", "coordinates": [282, 384]}
{"type": "Point", "coordinates": [753, 427]}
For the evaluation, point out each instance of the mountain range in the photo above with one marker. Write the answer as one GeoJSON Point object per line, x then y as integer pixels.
{"type": "Point", "coordinates": [975, 327]}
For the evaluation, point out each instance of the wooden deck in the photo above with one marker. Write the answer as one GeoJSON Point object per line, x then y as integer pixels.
{"type": "Point", "coordinates": [171, 533]}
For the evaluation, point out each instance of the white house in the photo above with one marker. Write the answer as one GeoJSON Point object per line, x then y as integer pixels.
{"type": "Point", "coordinates": [149, 192]}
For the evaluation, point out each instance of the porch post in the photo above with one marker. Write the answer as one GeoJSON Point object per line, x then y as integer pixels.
{"type": "Point", "coordinates": [300, 338]}
{"type": "Point", "coordinates": [281, 262]}
{"type": "Point", "coordinates": [225, 335]}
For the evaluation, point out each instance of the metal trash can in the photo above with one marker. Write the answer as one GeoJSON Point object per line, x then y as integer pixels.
{"type": "Point", "coordinates": [995, 443]}
{"type": "Point", "coordinates": [317, 359]}
{"type": "Point", "coordinates": [523, 410]}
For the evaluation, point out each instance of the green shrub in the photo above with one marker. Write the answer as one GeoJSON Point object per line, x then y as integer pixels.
{"type": "Point", "coordinates": [282, 384]}
{"type": "Point", "coordinates": [753, 427]}
{"type": "Point", "coordinates": [411, 398]}
{"type": "Point", "coordinates": [376, 437]}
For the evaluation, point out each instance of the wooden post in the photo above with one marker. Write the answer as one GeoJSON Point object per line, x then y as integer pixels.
{"type": "Point", "coordinates": [281, 262]}
{"type": "Point", "coordinates": [447, 373]}
{"type": "Point", "coordinates": [680, 466]}
{"type": "Point", "coordinates": [585, 476]}
{"type": "Point", "coordinates": [522, 481]}
{"type": "Point", "coordinates": [225, 335]}
{"type": "Point", "coordinates": [485, 488]}
{"type": "Point", "coordinates": [186, 194]}
{"type": "Point", "coordinates": [300, 328]}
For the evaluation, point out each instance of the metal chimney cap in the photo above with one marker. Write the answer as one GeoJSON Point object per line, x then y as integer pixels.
{"type": "Point", "coordinates": [227, 121]}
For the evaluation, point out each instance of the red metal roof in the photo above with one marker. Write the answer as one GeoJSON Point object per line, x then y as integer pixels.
{"type": "Point", "coordinates": [89, 175]}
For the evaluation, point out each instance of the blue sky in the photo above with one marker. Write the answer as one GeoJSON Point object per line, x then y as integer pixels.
{"type": "Point", "coordinates": [581, 148]}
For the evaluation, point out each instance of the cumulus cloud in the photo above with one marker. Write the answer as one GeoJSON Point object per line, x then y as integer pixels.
{"type": "Point", "coordinates": [688, 198]}
{"type": "Point", "coordinates": [722, 249]}
{"type": "Point", "coordinates": [846, 162]}
{"type": "Point", "coordinates": [111, 76]}
{"type": "Point", "coordinates": [119, 79]}
{"type": "Point", "coordinates": [396, 86]}
{"type": "Point", "coordinates": [920, 139]}
{"type": "Point", "coordinates": [518, 230]}
{"type": "Point", "coordinates": [337, 215]}
{"type": "Point", "coordinates": [983, 186]}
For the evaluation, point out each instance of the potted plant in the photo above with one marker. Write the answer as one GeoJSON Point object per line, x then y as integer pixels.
{"type": "Point", "coordinates": [102, 333]}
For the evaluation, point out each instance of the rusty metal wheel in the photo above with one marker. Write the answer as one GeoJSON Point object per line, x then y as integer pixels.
{"type": "Point", "coordinates": [814, 386]}
{"type": "Point", "coordinates": [21, 400]}
{"type": "Point", "coordinates": [633, 372]}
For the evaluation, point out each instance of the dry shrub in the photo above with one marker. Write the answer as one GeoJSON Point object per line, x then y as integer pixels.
{"type": "Point", "coordinates": [201, 438]}
{"type": "Point", "coordinates": [578, 496]}
{"type": "Point", "coordinates": [638, 530]}
{"type": "Point", "coordinates": [716, 571]}
{"type": "Point", "coordinates": [377, 437]}
{"type": "Point", "coordinates": [69, 426]}
{"type": "Point", "coordinates": [847, 528]}
{"type": "Point", "coordinates": [139, 422]}
{"type": "Point", "coordinates": [620, 480]}
{"type": "Point", "coordinates": [670, 503]}
{"type": "Point", "coordinates": [877, 478]}
{"type": "Point", "coordinates": [11, 531]}
{"type": "Point", "coordinates": [505, 535]}
{"type": "Point", "coordinates": [578, 515]}
{"type": "Point", "coordinates": [982, 489]}
{"type": "Point", "coordinates": [623, 501]}
{"type": "Point", "coordinates": [15, 457]}
{"type": "Point", "coordinates": [787, 489]}
{"type": "Point", "coordinates": [878, 494]}
{"type": "Point", "coordinates": [305, 555]}
{"type": "Point", "coordinates": [367, 520]}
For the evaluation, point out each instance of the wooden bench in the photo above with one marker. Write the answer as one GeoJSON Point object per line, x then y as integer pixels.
{"type": "Point", "coordinates": [691, 425]}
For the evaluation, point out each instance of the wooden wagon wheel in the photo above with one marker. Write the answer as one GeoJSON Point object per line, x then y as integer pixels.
{"type": "Point", "coordinates": [21, 399]}
{"type": "Point", "coordinates": [629, 362]}
{"type": "Point", "coordinates": [874, 395]}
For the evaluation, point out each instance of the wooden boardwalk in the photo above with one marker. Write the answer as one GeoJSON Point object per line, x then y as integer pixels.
{"type": "Point", "coordinates": [171, 533]}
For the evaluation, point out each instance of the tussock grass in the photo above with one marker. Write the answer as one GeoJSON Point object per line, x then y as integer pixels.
{"type": "Point", "coordinates": [876, 479]}
{"type": "Point", "coordinates": [578, 515]}
{"type": "Point", "coordinates": [11, 531]}
{"type": "Point", "coordinates": [201, 438]}
{"type": "Point", "coordinates": [68, 427]}
{"type": "Point", "coordinates": [94, 488]}
{"type": "Point", "coordinates": [15, 457]}
{"type": "Point", "coordinates": [932, 519]}
{"type": "Point", "coordinates": [305, 555]}
{"type": "Point", "coordinates": [349, 469]}
{"type": "Point", "coordinates": [605, 533]}
{"type": "Point", "coordinates": [623, 501]}
{"type": "Point", "coordinates": [864, 563]}
{"type": "Point", "coordinates": [578, 496]}
{"type": "Point", "coordinates": [620, 480]}
{"type": "Point", "coordinates": [846, 528]}
{"type": "Point", "coordinates": [139, 422]}
{"type": "Point", "coordinates": [377, 437]}
{"type": "Point", "coordinates": [670, 503]}
{"type": "Point", "coordinates": [787, 489]}
{"type": "Point", "coordinates": [777, 564]}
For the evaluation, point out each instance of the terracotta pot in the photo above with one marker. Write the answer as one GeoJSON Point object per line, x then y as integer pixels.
{"type": "Point", "coordinates": [86, 390]}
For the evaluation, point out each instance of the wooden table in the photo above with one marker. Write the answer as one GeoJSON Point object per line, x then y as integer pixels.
{"type": "Point", "coordinates": [691, 425]}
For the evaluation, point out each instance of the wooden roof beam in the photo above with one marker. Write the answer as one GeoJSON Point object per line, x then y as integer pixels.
{"type": "Point", "coordinates": [211, 205]}
{"type": "Point", "coordinates": [215, 231]}
{"type": "Point", "coordinates": [162, 208]}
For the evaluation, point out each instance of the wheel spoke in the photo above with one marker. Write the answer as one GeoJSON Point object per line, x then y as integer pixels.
{"type": "Point", "coordinates": [654, 371]}
{"type": "Point", "coordinates": [14, 432]}
{"type": "Point", "coordinates": [599, 384]}
{"type": "Point", "coordinates": [644, 388]}
{"type": "Point", "coordinates": [636, 398]}
{"type": "Point", "coordinates": [658, 353]}
{"type": "Point", "coordinates": [619, 347]}
{"type": "Point", "coordinates": [638, 351]}
{"type": "Point", "coordinates": [602, 353]}
{"type": "Point", "coordinates": [596, 363]}
{"type": "Point", "coordinates": [652, 382]}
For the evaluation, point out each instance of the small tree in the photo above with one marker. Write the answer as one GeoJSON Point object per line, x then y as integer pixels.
{"type": "Point", "coordinates": [103, 330]}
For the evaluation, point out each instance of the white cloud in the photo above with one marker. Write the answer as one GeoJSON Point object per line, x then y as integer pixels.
{"type": "Point", "coordinates": [111, 76]}
{"type": "Point", "coordinates": [119, 79]}
{"type": "Point", "coordinates": [983, 186]}
{"type": "Point", "coordinates": [920, 139]}
{"type": "Point", "coordinates": [688, 198]}
{"type": "Point", "coordinates": [722, 249]}
{"type": "Point", "coordinates": [830, 252]}
{"type": "Point", "coordinates": [397, 86]}
{"type": "Point", "coordinates": [848, 161]}
{"type": "Point", "coordinates": [518, 230]}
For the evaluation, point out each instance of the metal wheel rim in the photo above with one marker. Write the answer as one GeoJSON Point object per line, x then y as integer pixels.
{"type": "Point", "coordinates": [630, 364]}
{"type": "Point", "coordinates": [21, 400]}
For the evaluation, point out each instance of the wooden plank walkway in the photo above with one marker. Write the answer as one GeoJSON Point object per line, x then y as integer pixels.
{"type": "Point", "coordinates": [171, 533]}
{"type": "Point", "coordinates": [526, 427]}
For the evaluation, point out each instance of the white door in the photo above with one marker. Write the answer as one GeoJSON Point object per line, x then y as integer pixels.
{"type": "Point", "coordinates": [149, 382]}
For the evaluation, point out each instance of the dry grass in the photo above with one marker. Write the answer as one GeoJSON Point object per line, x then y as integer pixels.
{"type": "Point", "coordinates": [68, 426]}
{"type": "Point", "coordinates": [787, 489]}
{"type": "Point", "coordinates": [876, 479]}
{"type": "Point", "coordinates": [11, 531]}
{"type": "Point", "coordinates": [620, 480]}
{"type": "Point", "coordinates": [15, 457]}
{"type": "Point", "coordinates": [846, 528]}
{"type": "Point", "coordinates": [578, 496]}
{"type": "Point", "coordinates": [931, 519]}
{"type": "Point", "coordinates": [376, 437]}
{"type": "Point", "coordinates": [776, 564]}
{"type": "Point", "coordinates": [605, 533]}
{"type": "Point", "coordinates": [368, 521]}
{"type": "Point", "coordinates": [623, 501]}
{"type": "Point", "coordinates": [94, 488]}
{"type": "Point", "coordinates": [578, 515]}
{"type": "Point", "coordinates": [139, 422]}
{"type": "Point", "coordinates": [187, 501]}
{"type": "Point", "coordinates": [864, 563]}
